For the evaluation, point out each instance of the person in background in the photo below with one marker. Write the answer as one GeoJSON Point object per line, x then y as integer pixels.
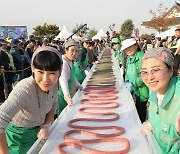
{"type": "Point", "coordinates": [91, 55]}
{"type": "Point", "coordinates": [18, 60]}
{"type": "Point", "coordinates": [164, 98]}
{"type": "Point", "coordinates": [6, 61]}
{"type": "Point", "coordinates": [175, 48]}
{"type": "Point", "coordinates": [116, 45]}
{"type": "Point", "coordinates": [9, 44]}
{"type": "Point", "coordinates": [45, 42]}
{"type": "Point", "coordinates": [141, 43]}
{"type": "Point", "coordinates": [29, 110]}
{"type": "Point", "coordinates": [149, 45]}
{"type": "Point", "coordinates": [67, 78]}
{"type": "Point", "coordinates": [60, 46]}
{"type": "Point", "coordinates": [158, 40]}
{"type": "Point", "coordinates": [133, 82]}
{"type": "Point", "coordinates": [101, 46]}
{"type": "Point", "coordinates": [27, 60]}
{"type": "Point", "coordinates": [97, 46]}
{"type": "Point", "coordinates": [31, 37]}
{"type": "Point", "coordinates": [163, 43]}
{"type": "Point", "coordinates": [23, 42]}
{"type": "Point", "coordinates": [54, 44]}
{"type": "Point", "coordinates": [144, 47]}
{"type": "Point", "coordinates": [81, 62]}
{"type": "Point", "coordinates": [30, 48]}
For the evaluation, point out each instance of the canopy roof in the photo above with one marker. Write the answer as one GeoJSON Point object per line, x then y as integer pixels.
{"type": "Point", "coordinates": [169, 32]}
{"type": "Point", "coordinates": [65, 33]}
{"type": "Point", "coordinates": [100, 35]}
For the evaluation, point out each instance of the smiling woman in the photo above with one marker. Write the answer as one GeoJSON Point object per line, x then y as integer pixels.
{"type": "Point", "coordinates": [133, 82]}
{"type": "Point", "coordinates": [67, 78]}
{"type": "Point", "coordinates": [29, 110]}
{"type": "Point", "coordinates": [164, 98]}
{"type": "Point", "coordinates": [46, 69]}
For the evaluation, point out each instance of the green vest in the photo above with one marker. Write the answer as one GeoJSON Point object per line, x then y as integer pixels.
{"type": "Point", "coordinates": [80, 74]}
{"type": "Point", "coordinates": [164, 117]}
{"type": "Point", "coordinates": [62, 102]}
{"type": "Point", "coordinates": [133, 68]}
{"type": "Point", "coordinates": [119, 56]}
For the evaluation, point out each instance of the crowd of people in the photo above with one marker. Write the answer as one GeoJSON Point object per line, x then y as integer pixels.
{"type": "Point", "coordinates": [172, 43]}
{"type": "Point", "coordinates": [37, 81]}
{"type": "Point", "coordinates": [15, 59]}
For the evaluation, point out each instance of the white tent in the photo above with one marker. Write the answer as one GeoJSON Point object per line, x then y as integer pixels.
{"type": "Point", "coordinates": [100, 35]}
{"type": "Point", "coordinates": [169, 32]}
{"type": "Point", "coordinates": [65, 33]}
{"type": "Point", "coordinates": [77, 38]}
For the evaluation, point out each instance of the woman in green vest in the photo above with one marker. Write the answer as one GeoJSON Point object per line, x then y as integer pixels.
{"type": "Point", "coordinates": [116, 45]}
{"type": "Point", "coordinates": [133, 82]}
{"type": "Point", "coordinates": [81, 62]}
{"type": "Point", "coordinates": [67, 78]}
{"type": "Point", "coordinates": [29, 109]}
{"type": "Point", "coordinates": [164, 110]}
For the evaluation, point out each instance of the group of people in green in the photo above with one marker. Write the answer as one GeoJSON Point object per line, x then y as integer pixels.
{"type": "Point", "coordinates": [151, 79]}
{"type": "Point", "coordinates": [29, 110]}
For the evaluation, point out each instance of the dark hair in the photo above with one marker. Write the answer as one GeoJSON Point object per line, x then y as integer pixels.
{"type": "Point", "coordinates": [63, 49]}
{"type": "Point", "coordinates": [48, 61]}
{"type": "Point", "coordinates": [178, 29]}
{"type": "Point", "coordinates": [32, 41]}
{"type": "Point", "coordinates": [91, 43]}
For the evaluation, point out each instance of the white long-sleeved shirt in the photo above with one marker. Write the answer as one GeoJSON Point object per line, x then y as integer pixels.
{"type": "Point", "coordinates": [65, 75]}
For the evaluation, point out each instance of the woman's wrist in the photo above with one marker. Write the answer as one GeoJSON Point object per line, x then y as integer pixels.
{"type": "Point", "coordinates": [45, 125]}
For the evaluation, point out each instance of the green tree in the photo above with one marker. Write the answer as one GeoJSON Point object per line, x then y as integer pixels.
{"type": "Point", "coordinates": [127, 28]}
{"type": "Point", "coordinates": [92, 32]}
{"type": "Point", "coordinates": [46, 31]}
{"type": "Point", "coordinates": [146, 36]}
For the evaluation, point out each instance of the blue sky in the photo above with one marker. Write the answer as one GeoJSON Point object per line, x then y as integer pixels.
{"type": "Point", "coordinates": [96, 13]}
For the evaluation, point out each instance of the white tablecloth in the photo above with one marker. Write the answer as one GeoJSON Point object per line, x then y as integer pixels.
{"type": "Point", "coordinates": [129, 120]}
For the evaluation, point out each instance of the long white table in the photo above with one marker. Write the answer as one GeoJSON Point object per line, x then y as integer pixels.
{"type": "Point", "coordinates": [129, 120]}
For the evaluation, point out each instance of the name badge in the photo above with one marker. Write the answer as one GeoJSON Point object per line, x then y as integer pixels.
{"type": "Point", "coordinates": [164, 128]}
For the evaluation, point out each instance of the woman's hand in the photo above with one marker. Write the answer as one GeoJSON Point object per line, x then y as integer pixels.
{"type": "Point", "coordinates": [146, 127]}
{"type": "Point", "coordinates": [68, 99]}
{"type": "Point", "coordinates": [44, 132]}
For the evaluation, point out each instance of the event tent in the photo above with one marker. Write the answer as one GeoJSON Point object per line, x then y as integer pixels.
{"type": "Point", "coordinates": [65, 33]}
{"type": "Point", "coordinates": [100, 35]}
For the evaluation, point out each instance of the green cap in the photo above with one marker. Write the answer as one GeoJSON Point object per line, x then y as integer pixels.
{"type": "Point", "coordinates": [116, 40]}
